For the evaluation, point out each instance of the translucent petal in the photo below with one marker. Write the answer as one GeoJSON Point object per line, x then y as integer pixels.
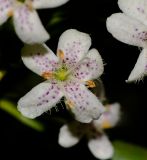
{"type": "Point", "coordinates": [74, 46]}
{"type": "Point", "coordinates": [109, 118]}
{"type": "Point", "coordinates": [39, 58]}
{"type": "Point", "coordinates": [91, 67]}
{"type": "Point", "coordinates": [134, 8]}
{"type": "Point", "coordinates": [127, 29]}
{"type": "Point", "coordinates": [70, 134]}
{"type": "Point", "coordinates": [140, 69]}
{"type": "Point", "coordinates": [38, 4]}
{"type": "Point", "coordinates": [84, 104]}
{"type": "Point", "coordinates": [6, 7]}
{"type": "Point", "coordinates": [28, 26]}
{"type": "Point", "coordinates": [101, 147]}
{"type": "Point", "coordinates": [40, 99]}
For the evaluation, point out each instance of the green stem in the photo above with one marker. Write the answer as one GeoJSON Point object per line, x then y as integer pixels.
{"type": "Point", "coordinates": [10, 108]}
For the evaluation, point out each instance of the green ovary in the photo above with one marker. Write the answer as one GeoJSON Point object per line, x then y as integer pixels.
{"type": "Point", "coordinates": [61, 74]}
{"type": "Point", "coordinates": [21, 1]}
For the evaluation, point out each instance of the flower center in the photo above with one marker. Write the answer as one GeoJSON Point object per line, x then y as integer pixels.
{"type": "Point", "coordinates": [21, 1]}
{"type": "Point", "coordinates": [61, 74]}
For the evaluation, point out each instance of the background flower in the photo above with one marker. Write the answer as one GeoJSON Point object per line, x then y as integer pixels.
{"type": "Point", "coordinates": [98, 142]}
{"type": "Point", "coordinates": [26, 22]}
{"type": "Point", "coordinates": [131, 27]}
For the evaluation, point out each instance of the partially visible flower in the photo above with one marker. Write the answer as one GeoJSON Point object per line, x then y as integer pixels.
{"type": "Point", "coordinates": [98, 142]}
{"type": "Point", "coordinates": [66, 76]}
{"type": "Point", "coordinates": [26, 22]}
{"type": "Point", "coordinates": [131, 27]}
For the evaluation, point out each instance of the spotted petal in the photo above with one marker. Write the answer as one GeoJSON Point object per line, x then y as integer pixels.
{"type": "Point", "coordinates": [127, 29]}
{"type": "Point", "coordinates": [38, 4]}
{"type": "Point", "coordinates": [140, 69]}
{"type": "Point", "coordinates": [74, 46]}
{"type": "Point", "coordinates": [40, 99]}
{"type": "Point", "coordinates": [39, 58]}
{"type": "Point", "coordinates": [83, 103]}
{"type": "Point", "coordinates": [91, 67]}
{"type": "Point", "coordinates": [28, 26]}
{"type": "Point", "coordinates": [101, 147]}
{"type": "Point", "coordinates": [70, 134]}
{"type": "Point", "coordinates": [5, 10]}
{"type": "Point", "coordinates": [109, 118]}
{"type": "Point", "coordinates": [134, 8]}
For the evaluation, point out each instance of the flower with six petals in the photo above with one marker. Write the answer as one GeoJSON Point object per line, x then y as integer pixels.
{"type": "Point", "coordinates": [66, 74]}
{"type": "Point", "coordinates": [26, 22]}
{"type": "Point", "coordinates": [131, 27]}
{"type": "Point", "coordinates": [98, 142]}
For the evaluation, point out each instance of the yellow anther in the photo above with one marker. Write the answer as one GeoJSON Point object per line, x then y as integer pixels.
{"type": "Point", "coordinates": [106, 124]}
{"type": "Point", "coordinates": [29, 5]}
{"type": "Point", "coordinates": [47, 75]}
{"type": "Point", "coordinates": [10, 13]}
{"type": "Point", "coordinates": [90, 84]}
{"type": "Point", "coordinates": [69, 104]}
{"type": "Point", "coordinates": [60, 54]}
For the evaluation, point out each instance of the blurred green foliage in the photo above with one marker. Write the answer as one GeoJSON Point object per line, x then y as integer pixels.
{"type": "Point", "coordinates": [10, 108]}
{"type": "Point", "coordinates": [126, 151]}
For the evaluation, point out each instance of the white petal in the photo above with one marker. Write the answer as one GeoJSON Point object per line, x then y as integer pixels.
{"type": "Point", "coordinates": [39, 58]}
{"type": "Point", "coordinates": [91, 67]}
{"type": "Point", "coordinates": [69, 135]}
{"type": "Point", "coordinates": [109, 118]}
{"type": "Point", "coordinates": [84, 104]}
{"type": "Point", "coordinates": [101, 147]}
{"type": "Point", "coordinates": [5, 9]}
{"type": "Point", "coordinates": [140, 69]}
{"type": "Point", "coordinates": [74, 45]}
{"type": "Point", "coordinates": [40, 99]}
{"type": "Point", "coordinates": [127, 30]}
{"type": "Point", "coordinates": [28, 26]}
{"type": "Point", "coordinates": [38, 4]}
{"type": "Point", "coordinates": [134, 8]}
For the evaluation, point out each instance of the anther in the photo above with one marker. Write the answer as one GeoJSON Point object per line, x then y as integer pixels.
{"type": "Point", "coordinates": [69, 104]}
{"type": "Point", "coordinates": [60, 54]}
{"type": "Point", "coordinates": [47, 75]}
{"type": "Point", "coordinates": [90, 84]}
{"type": "Point", "coordinates": [10, 13]}
{"type": "Point", "coordinates": [106, 124]}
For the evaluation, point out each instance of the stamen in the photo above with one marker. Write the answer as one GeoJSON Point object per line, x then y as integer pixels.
{"type": "Point", "coordinates": [29, 5]}
{"type": "Point", "coordinates": [10, 13]}
{"type": "Point", "coordinates": [69, 104]}
{"type": "Point", "coordinates": [106, 124]}
{"type": "Point", "coordinates": [90, 84]}
{"type": "Point", "coordinates": [47, 75]}
{"type": "Point", "coordinates": [60, 54]}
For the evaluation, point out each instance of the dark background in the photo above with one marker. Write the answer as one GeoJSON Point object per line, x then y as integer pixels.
{"type": "Point", "coordinates": [19, 141]}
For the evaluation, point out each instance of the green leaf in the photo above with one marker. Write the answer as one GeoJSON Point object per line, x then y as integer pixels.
{"type": "Point", "coordinates": [10, 108]}
{"type": "Point", "coordinates": [126, 151]}
{"type": "Point", "coordinates": [55, 19]}
{"type": "Point", "coordinates": [2, 74]}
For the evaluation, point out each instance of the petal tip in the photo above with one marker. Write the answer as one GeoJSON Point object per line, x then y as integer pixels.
{"type": "Point", "coordinates": [24, 110]}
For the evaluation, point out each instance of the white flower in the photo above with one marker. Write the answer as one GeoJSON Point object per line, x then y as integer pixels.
{"type": "Point", "coordinates": [26, 22]}
{"type": "Point", "coordinates": [66, 74]}
{"type": "Point", "coordinates": [131, 27]}
{"type": "Point", "coordinates": [98, 142]}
